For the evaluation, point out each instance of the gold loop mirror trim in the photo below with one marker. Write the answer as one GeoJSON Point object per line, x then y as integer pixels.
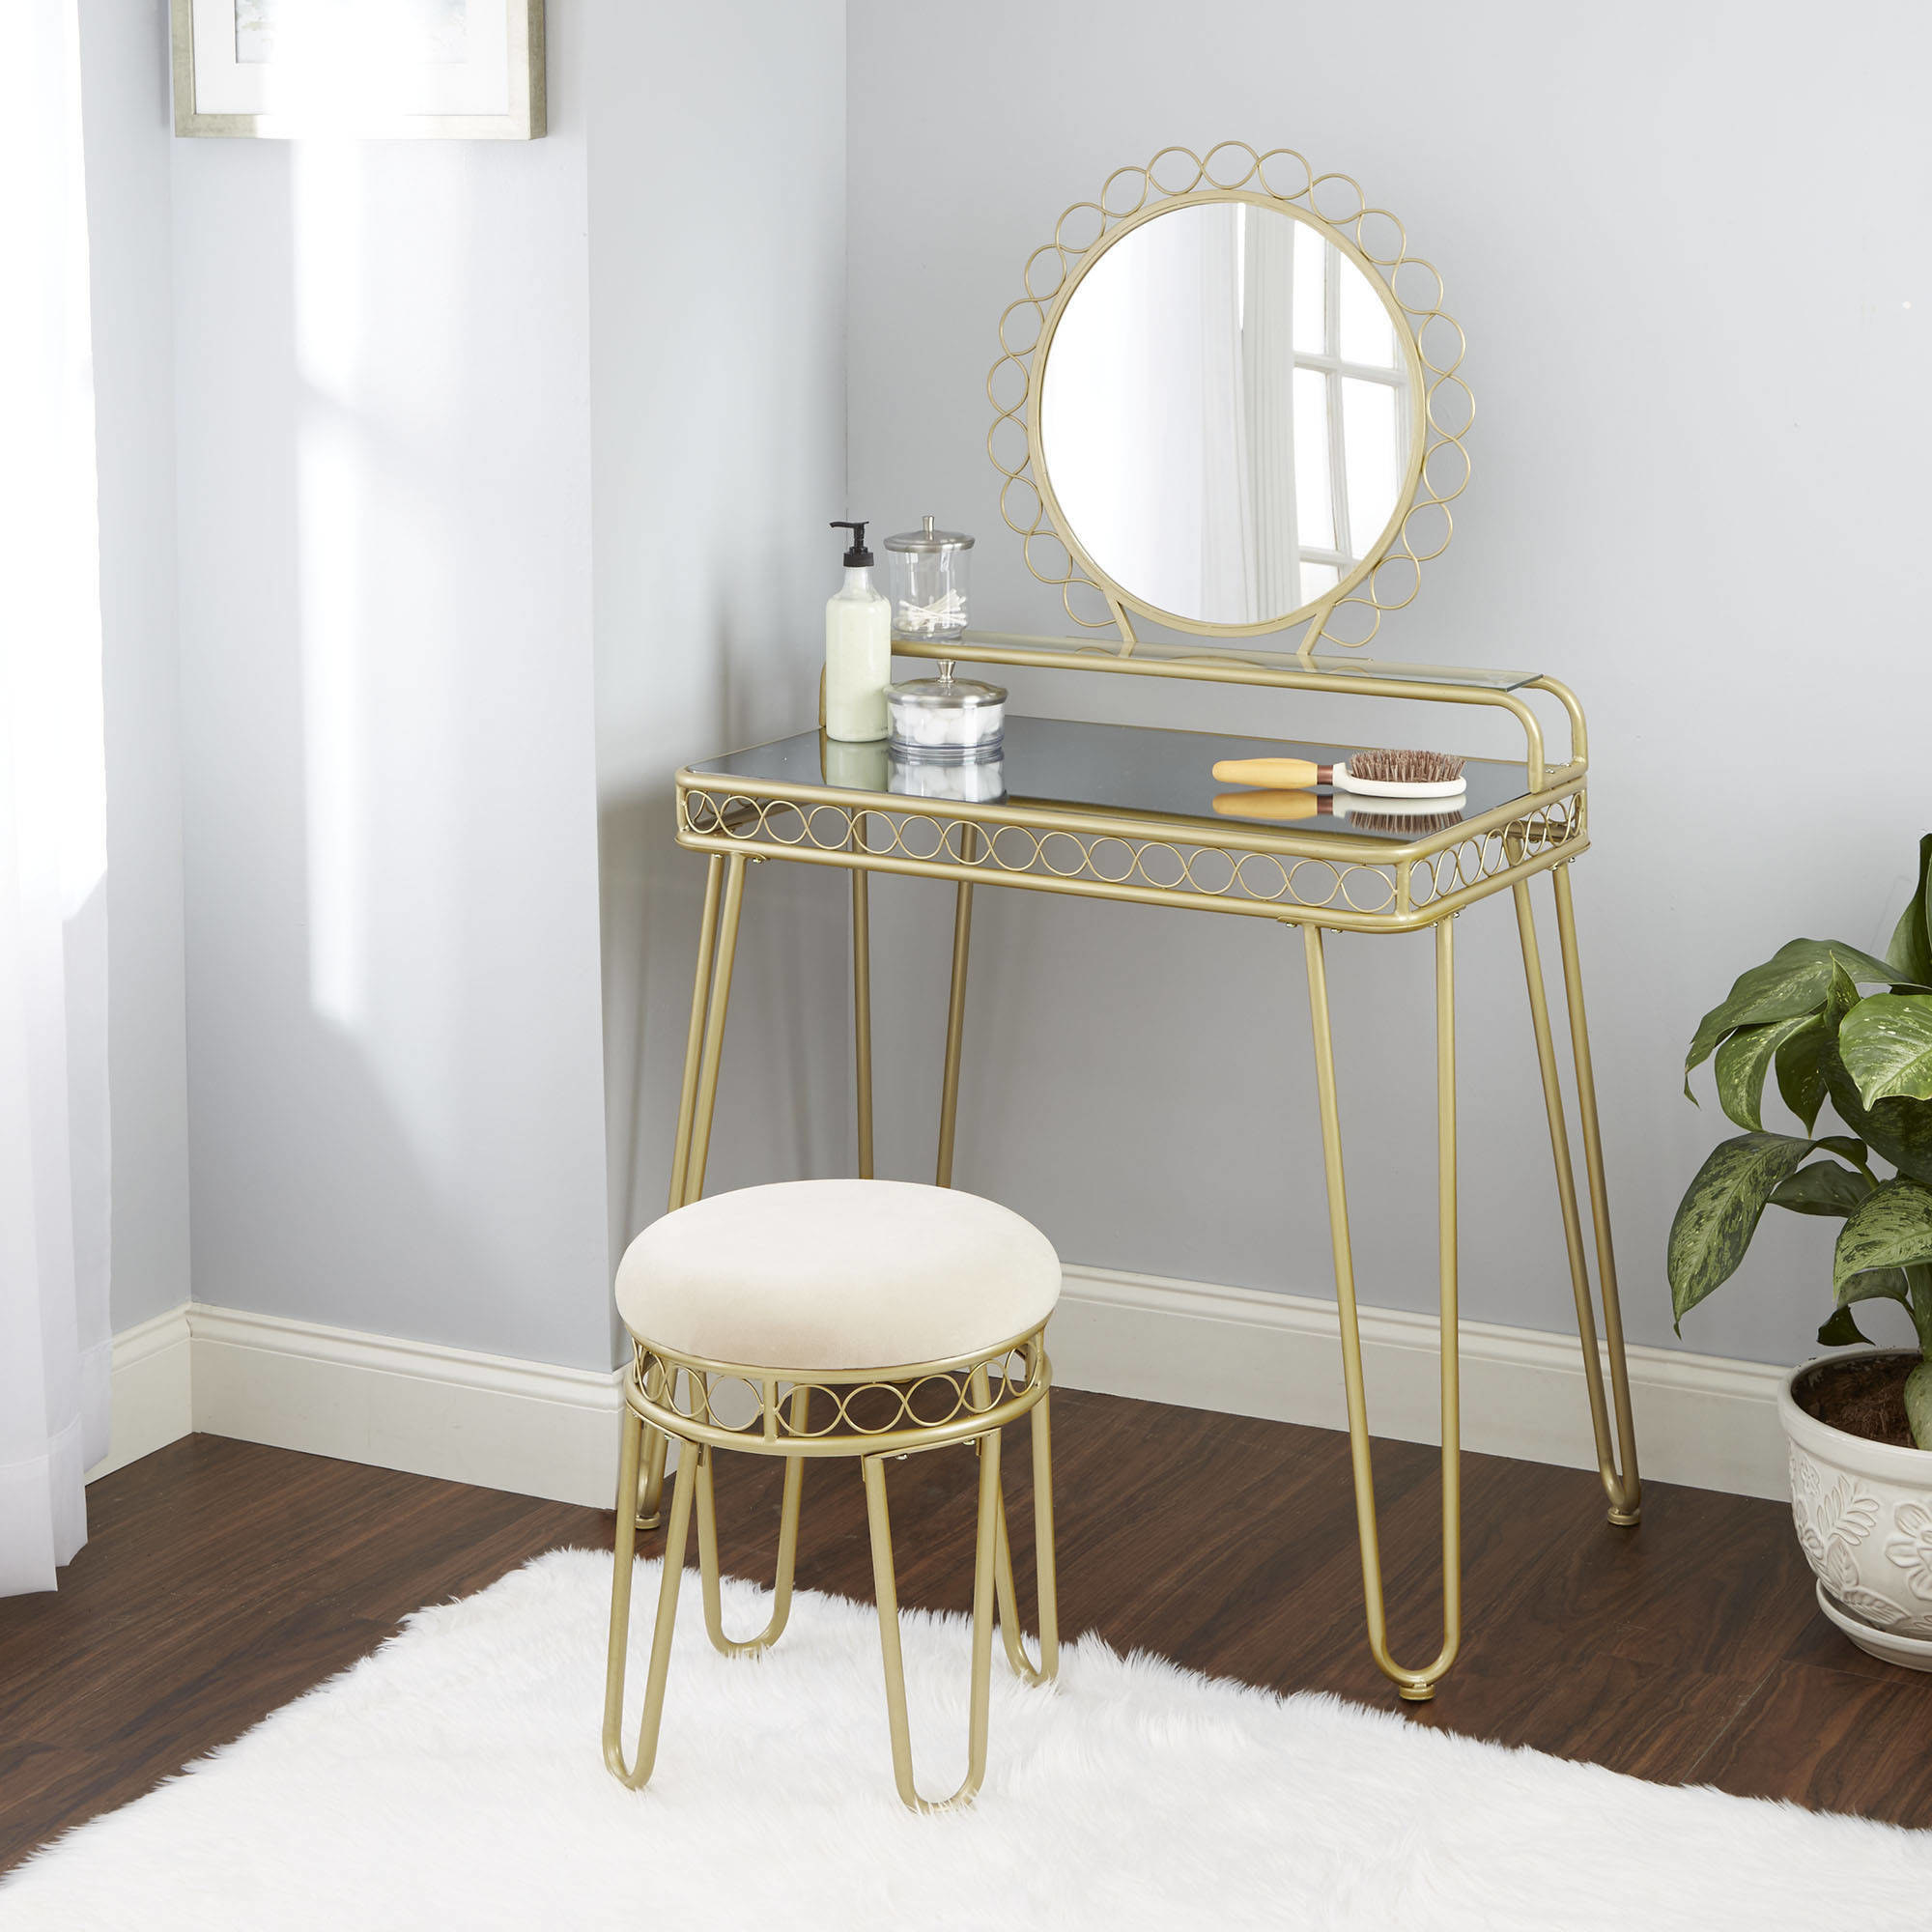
{"type": "Point", "coordinates": [1389, 575]}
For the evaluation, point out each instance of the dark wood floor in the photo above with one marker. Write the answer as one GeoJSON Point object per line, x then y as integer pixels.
{"type": "Point", "coordinates": [222, 1579]}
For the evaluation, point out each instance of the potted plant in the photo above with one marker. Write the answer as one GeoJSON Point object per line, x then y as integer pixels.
{"type": "Point", "coordinates": [1859, 1422]}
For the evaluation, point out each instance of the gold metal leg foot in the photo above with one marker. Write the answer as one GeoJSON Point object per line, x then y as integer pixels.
{"type": "Point", "coordinates": [1412, 1685]}
{"type": "Point", "coordinates": [1623, 1487]}
{"type": "Point", "coordinates": [650, 1483]}
{"type": "Point", "coordinates": [1006, 1596]}
{"type": "Point", "coordinates": [886, 1587]}
{"type": "Point", "coordinates": [707, 1544]}
{"type": "Point", "coordinates": [637, 1774]}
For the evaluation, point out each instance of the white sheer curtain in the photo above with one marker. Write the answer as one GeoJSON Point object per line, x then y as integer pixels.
{"type": "Point", "coordinates": [54, 1337]}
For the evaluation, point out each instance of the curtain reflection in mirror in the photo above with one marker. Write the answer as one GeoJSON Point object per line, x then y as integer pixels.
{"type": "Point", "coordinates": [1225, 415]}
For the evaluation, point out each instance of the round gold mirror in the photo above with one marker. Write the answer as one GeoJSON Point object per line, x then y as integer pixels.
{"type": "Point", "coordinates": [1239, 412]}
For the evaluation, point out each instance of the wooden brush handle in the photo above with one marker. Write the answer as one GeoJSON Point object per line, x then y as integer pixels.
{"type": "Point", "coordinates": [1284, 807]}
{"type": "Point", "coordinates": [1279, 772]}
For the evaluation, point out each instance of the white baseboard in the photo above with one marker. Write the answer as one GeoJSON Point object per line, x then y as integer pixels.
{"type": "Point", "coordinates": [435, 1411]}
{"type": "Point", "coordinates": [551, 1431]}
{"type": "Point", "coordinates": [151, 1390]}
{"type": "Point", "coordinates": [529, 1427]}
{"type": "Point", "coordinates": [1700, 1419]}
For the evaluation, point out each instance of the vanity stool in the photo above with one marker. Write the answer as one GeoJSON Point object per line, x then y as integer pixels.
{"type": "Point", "coordinates": [863, 1319]}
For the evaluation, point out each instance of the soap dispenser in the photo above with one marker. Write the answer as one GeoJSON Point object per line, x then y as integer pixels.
{"type": "Point", "coordinates": [857, 649]}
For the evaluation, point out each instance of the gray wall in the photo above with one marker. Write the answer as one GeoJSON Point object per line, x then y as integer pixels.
{"type": "Point", "coordinates": [1681, 243]}
{"type": "Point", "coordinates": [501, 476]}
{"type": "Point", "coordinates": [716, 361]}
{"type": "Point", "coordinates": [128, 132]}
{"type": "Point", "coordinates": [382, 424]}
{"type": "Point", "coordinates": [381, 385]}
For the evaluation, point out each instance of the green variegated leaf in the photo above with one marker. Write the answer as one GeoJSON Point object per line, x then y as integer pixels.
{"type": "Point", "coordinates": [1822, 1188]}
{"type": "Point", "coordinates": [1890, 1229]}
{"type": "Point", "coordinates": [1911, 950]}
{"type": "Point", "coordinates": [1800, 1071]}
{"type": "Point", "coordinates": [1898, 1130]}
{"type": "Point", "coordinates": [1918, 1403]}
{"type": "Point", "coordinates": [1919, 1298]}
{"type": "Point", "coordinates": [1848, 1150]}
{"type": "Point", "coordinates": [1885, 1043]}
{"type": "Point", "coordinates": [1840, 1330]}
{"type": "Point", "coordinates": [1720, 1210]}
{"type": "Point", "coordinates": [1794, 982]}
{"type": "Point", "coordinates": [1876, 1285]}
{"type": "Point", "coordinates": [1744, 1058]}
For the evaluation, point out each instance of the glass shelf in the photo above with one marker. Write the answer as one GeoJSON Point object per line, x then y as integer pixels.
{"type": "Point", "coordinates": [1138, 771]}
{"type": "Point", "coordinates": [1014, 647]}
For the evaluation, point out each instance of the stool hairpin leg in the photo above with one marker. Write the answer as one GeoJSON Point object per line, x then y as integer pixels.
{"type": "Point", "coordinates": [1047, 1585]}
{"type": "Point", "coordinates": [955, 1007]}
{"type": "Point", "coordinates": [1413, 1685]}
{"type": "Point", "coordinates": [1046, 1591]}
{"type": "Point", "coordinates": [639, 1773]}
{"type": "Point", "coordinates": [886, 1588]}
{"type": "Point", "coordinates": [703, 1047]}
{"type": "Point", "coordinates": [708, 1537]}
{"type": "Point", "coordinates": [1624, 1492]}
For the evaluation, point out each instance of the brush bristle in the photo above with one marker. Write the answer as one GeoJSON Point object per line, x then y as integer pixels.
{"type": "Point", "coordinates": [1412, 824]}
{"type": "Point", "coordinates": [1405, 767]}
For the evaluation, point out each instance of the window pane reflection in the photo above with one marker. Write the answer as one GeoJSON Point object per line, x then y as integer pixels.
{"type": "Point", "coordinates": [1369, 435]}
{"type": "Point", "coordinates": [1313, 492]}
{"type": "Point", "coordinates": [1366, 335]}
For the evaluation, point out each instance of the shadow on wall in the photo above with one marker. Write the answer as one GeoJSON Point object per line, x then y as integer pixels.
{"type": "Point", "coordinates": [784, 1108]}
{"type": "Point", "coordinates": [387, 713]}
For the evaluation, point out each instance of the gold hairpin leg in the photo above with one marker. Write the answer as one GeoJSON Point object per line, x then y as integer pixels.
{"type": "Point", "coordinates": [713, 1054]}
{"type": "Point", "coordinates": [703, 1044]}
{"type": "Point", "coordinates": [885, 1585]}
{"type": "Point", "coordinates": [1625, 1491]}
{"type": "Point", "coordinates": [1047, 1590]}
{"type": "Point", "coordinates": [1410, 1684]}
{"type": "Point", "coordinates": [651, 1481]}
{"type": "Point", "coordinates": [694, 1039]}
{"type": "Point", "coordinates": [707, 1543]}
{"type": "Point", "coordinates": [637, 1774]}
{"type": "Point", "coordinates": [862, 999]}
{"type": "Point", "coordinates": [955, 1009]}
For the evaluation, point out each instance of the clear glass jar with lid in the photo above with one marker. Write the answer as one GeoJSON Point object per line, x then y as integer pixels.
{"type": "Point", "coordinates": [946, 719]}
{"type": "Point", "coordinates": [929, 570]}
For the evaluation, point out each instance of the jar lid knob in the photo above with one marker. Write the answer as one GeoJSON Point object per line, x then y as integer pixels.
{"type": "Point", "coordinates": [927, 520]}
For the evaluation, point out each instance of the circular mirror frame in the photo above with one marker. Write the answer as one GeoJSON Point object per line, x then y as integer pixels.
{"type": "Point", "coordinates": [1432, 345]}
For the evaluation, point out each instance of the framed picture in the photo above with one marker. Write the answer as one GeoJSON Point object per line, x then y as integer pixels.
{"type": "Point", "coordinates": [449, 69]}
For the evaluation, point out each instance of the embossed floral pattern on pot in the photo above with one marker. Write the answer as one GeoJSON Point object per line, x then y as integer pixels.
{"type": "Point", "coordinates": [1911, 1546]}
{"type": "Point", "coordinates": [1863, 1515]}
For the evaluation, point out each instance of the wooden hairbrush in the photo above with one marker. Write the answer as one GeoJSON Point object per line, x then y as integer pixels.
{"type": "Point", "coordinates": [1374, 774]}
{"type": "Point", "coordinates": [1417, 818]}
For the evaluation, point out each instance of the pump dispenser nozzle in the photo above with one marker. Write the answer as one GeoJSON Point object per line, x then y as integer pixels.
{"type": "Point", "coordinates": [858, 557]}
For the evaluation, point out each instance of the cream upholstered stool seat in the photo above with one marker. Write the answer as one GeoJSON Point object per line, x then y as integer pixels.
{"type": "Point", "coordinates": [862, 1318]}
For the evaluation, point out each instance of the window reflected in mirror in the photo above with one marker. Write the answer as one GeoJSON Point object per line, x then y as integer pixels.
{"type": "Point", "coordinates": [1225, 415]}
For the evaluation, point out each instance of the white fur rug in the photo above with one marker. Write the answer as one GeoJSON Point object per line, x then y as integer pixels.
{"type": "Point", "coordinates": [454, 1779]}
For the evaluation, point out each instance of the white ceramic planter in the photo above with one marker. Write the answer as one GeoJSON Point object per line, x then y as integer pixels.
{"type": "Point", "coordinates": [1864, 1512]}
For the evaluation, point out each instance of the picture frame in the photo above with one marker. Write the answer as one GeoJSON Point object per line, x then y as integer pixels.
{"type": "Point", "coordinates": [373, 70]}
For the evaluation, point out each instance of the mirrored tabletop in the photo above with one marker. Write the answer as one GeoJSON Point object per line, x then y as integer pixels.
{"type": "Point", "coordinates": [1136, 770]}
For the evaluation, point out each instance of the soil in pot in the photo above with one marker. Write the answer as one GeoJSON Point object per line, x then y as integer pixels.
{"type": "Point", "coordinates": [1864, 1395]}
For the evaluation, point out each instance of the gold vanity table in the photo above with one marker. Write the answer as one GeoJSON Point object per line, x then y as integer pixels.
{"type": "Point", "coordinates": [1344, 415]}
